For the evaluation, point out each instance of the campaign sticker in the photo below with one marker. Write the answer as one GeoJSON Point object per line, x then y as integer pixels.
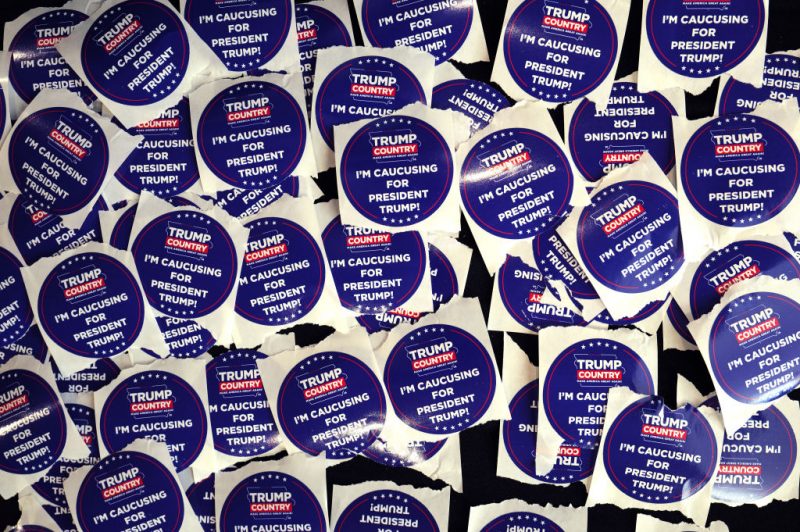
{"type": "Point", "coordinates": [32, 344]}
{"type": "Point", "coordinates": [158, 405]}
{"type": "Point", "coordinates": [703, 38]}
{"type": "Point", "coordinates": [245, 35]}
{"type": "Point", "coordinates": [272, 500]}
{"type": "Point", "coordinates": [521, 520]}
{"type": "Point", "coordinates": [576, 386]}
{"type": "Point", "coordinates": [657, 455]}
{"type": "Point", "coordinates": [126, 480]}
{"type": "Point", "coordinates": [385, 507]}
{"type": "Point", "coordinates": [58, 158]}
{"type": "Point", "coordinates": [631, 123]}
{"type": "Point", "coordinates": [187, 263]}
{"type": "Point", "coordinates": [516, 183]}
{"type": "Point", "coordinates": [440, 379]}
{"type": "Point", "coordinates": [252, 135]}
{"type": "Point", "coordinates": [740, 171]}
{"type": "Point", "coordinates": [414, 453]}
{"type": "Point", "coordinates": [556, 261]}
{"type": "Point", "coordinates": [241, 203]}
{"type": "Point", "coordinates": [91, 379]}
{"type": "Point", "coordinates": [201, 497]}
{"type": "Point", "coordinates": [34, 425]}
{"type": "Point", "coordinates": [781, 75]}
{"type": "Point", "coordinates": [135, 53]}
{"type": "Point", "coordinates": [16, 315]}
{"type": "Point", "coordinates": [573, 463]}
{"type": "Point", "coordinates": [374, 271]}
{"type": "Point", "coordinates": [560, 50]}
{"type": "Point", "coordinates": [163, 163]}
{"type": "Point", "coordinates": [283, 273]}
{"type": "Point", "coordinates": [476, 100]}
{"type": "Point", "coordinates": [630, 237]}
{"type": "Point", "coordinates": [396, 171]}
{"type": "Point", "coordinates": [185, 338]}
{"type": "Point", "coordinates": [242, 425]}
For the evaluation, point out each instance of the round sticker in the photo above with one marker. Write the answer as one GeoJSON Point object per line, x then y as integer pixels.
{"type": "Point", "coordinates": [245, 34]}
{"type": "Point", "coordinates": [331, 402]}
{"type": "Point", "coordinates": [573, 463]}
{"type": "Point", "coordinates": [366, 87]}
{"type": "Point", "coordinates": [516, 183]}
{"type": "Point", "coordinates": [158, 405]}
{"type": "Point", "coordinates": [252, 135]}
{"type": "Point", "coordinates": [16, 316]}
{"type": "Point", "coordinates": [100, 373]}
{"type": "Point", "coordinates": [750, 347]}
{"type": "Point", "coordinates": [476, 100]}
{"type": "Point", "coordinates": [58, 159]}
{"type": "Point", "coordinates": [396, 171]}
{"type": "Point", "coordinates": [781, 74]}
{"type": "Point", "coordinates": [757, 460]}
{"type": "Point", "coordinates": [201, 498]}
{"type": "Point", "coordinates": [91, 306]}
{"type": "Point", "coordinates": [187, 263]}
{"type": "Point", "coordinates": [374, 271]}
{"type": "Point", "coordinates": [703, 38]}
{"type": "Point", "coordinates": [522, 521]}
{"type": "Point", "coordinates": [631, 124]}
{"type": "Point", "coordinates": [136, 53]}
{"type": "Point", "coordinates": [164, 162]}
{"type": "Point", "coordinates": [577, 383]}
{"type": "Point", "coordinates": [558, 51]}
{"type": "Point", "coordinates": [185, 338]}
{"type": "Point", "coordinates": [521, 288]}
{"type": "Point", "coordinates": [377, 510]}
{"type": "Point", "coordinates": [34, 425]}
{"type": "Point", "coordinates": [241, 203]}
{"type": "Point", "coordinates": [32, 344]}
{"type": "Point", "coordinates": [36, 64]}
{"type": "Point", "coordinates": [630, 237]}
{"type": "Point", "coordinates": [272, 501]}
{"type": "Point", "coordinates": [657, 455]}
{"type": "Point", "coordinates": [415, 452]}
{"type": "Point", "coordinates": [556, 261]}
{"type": "Point", "coordinates": [440, 379]}
{"type": "Point", "coordinates": [439, 29]}
{"type": "Point", "coordinates": [283, 273]}
{"type": "Point", "coordinates": [679, 321]}
{"type": "Point", "coordinates": [740, 171]}
{"type": "Point", "coordinates": [241, 422]}
{"type": "Point", "coordinates": [129, 480]}
{"type": "Point", "coordinates": [606, 319]}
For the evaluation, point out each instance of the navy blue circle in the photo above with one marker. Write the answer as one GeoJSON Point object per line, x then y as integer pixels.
{"type": "Point", "coordinates": [780, 83]}
{"type": "Point", "coordinates": [415, 452]}
{"type": "Point", "coordinates": [16, 315]}
{"type": "Point", "coordinates": [201, 498]}
{"type": "Point", "coordinates": [476, 100]}
{"type": "Point", "coordinates": [361, 516]}
{"type": "Point", "coordinates": [521, 519]}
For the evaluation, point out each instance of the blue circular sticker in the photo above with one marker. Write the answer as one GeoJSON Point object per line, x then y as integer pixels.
{"type": "Point", "coordinates": [438, 28]}
{"type": "Point", "coordinates": [657, 455]}
{"type": "Point", "coordinates": [631, 124]}
{"type": "Point", "coordinates": [374, 271]}
{"type": "Point", "coordinates": [556, 261]}
{"type": "Point", "coordinates": [572, 464]}
{"type": "Point", "coordinates": [164, 162]}
{"type": "Point", "coordinates": [91, 379]}
{"type": "Point", "coordinates": [127, 488]}
{"type": "Point", "coordinates": [679, 321]}
{"type": "Point", "coordinates": [241, 203]}
{"type": "Point", "coordinates": [187, 263]}
{"type": "Point", "coordinates": [516, 183]}
{"type": "Point", "coordinates": [521, 521]}
{"type": "Point", "coordinates": [283, 273]}
{"type": "Point", "coordinates": [385, 510]}
{"type": "Point", "coordinates": [757, 460]}
{"type": "Point", "coordinates": [750, 347]}
{"type": "Point", "coordinates": [36, 64]}
{"type": "Point", "coordinates": [740, 171]}
{"type": "Point", "coordinates": [413, 453]}
{"type": "Point", "coordinates": [703, 38]}
{"type": "Point", "coordinates": [560, 50]}
{"type": "Point", "coordinates": [781, 82]}
{"type": "Point", "coordinates": [158, 405]}
{"type": "Point", "coordinates": [317, 28]}
{"type": "Point", "coordinates": [252, 135]}
{"type": "Point", "coordinates": [576, 386]}
{"type": "Point", "coordinates": [16, 316]}
{"type": "Point", "coordinates": [629, 237]}
{"type": "Point", "coordinates": [440, 379]}
{"type": "Point", "coordinates": [245, 34]}
{"type": "Point", "coordinates": [136, 53]}
{"type": "Point", "coordinates": [32, 344]}
{"type": "Point", "coordinates": [331, 402]}
{"type": "Point", "coordinates": [34, 425]}
{"type": "Point", "coordinates": [58, 159]}
{"type": "Point", "coordinates": [241, 421]}
{"type": "Point", "coordinates": [520, 288]}
{"type": "Point", "coordinates": [201, 499]}
{"type": "Point", "coordinates": [272, 501]}
{"type": "Point", "coordinates": [396, 171]}
{"type": "Point", "coordinates": [91, 306]}
{"type": "Point", "coordinates": [366, 87]}
{"type": "Point", "coordinates": [185, 338]}
{"type": "Point", "coordinates": [476, 100]}
{"type": "Point", "coordinates": [642, 314]}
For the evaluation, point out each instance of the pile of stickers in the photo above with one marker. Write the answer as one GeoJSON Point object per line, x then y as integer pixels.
{"type": "Point", "coordinates": [159, 172]}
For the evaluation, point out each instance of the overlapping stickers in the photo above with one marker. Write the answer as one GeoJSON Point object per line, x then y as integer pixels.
{"type": "Point", "coordinates": [438, 460]}
{"type": "Point", "coordinates": [516, 513]}
{"type": "Point", "coordinates": [781, 71]}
